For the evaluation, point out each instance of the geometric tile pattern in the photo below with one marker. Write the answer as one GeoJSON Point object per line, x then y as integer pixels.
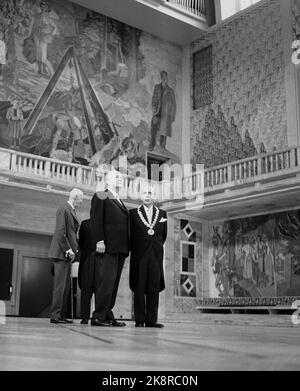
{"type": "Point", "coordinates": [188, 286]}
{"type": "Point", "coordinates": [188, 260]}
{"type": "Point", "coordinates": [187, 263]}
{"type": "Point", "coordinates": [203, 78]}
{"type": "Point", "coordinates": [188, 230]}
{"type": "Point", "coordinates": [248, 81]}
{"type": "Point", "coordinates": [188, 257]}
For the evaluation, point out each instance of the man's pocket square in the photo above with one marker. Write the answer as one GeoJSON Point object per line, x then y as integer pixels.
{"type": "Point", "coordinates": [163, 220]}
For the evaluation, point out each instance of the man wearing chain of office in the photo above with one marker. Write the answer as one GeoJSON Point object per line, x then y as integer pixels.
{"type": "Point", "coordinates": [148, 226]}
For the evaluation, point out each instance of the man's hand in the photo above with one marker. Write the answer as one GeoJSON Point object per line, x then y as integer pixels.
{"type": "Point", "coordinates": [100, 247]}
{"type": "Point", "coordinates": [70, 255]}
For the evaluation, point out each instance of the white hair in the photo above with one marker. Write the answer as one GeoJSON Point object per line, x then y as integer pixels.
{"type": "Point", "coordinates": [75, 193]}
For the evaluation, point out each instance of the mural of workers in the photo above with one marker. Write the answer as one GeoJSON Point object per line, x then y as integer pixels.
{"type": "Point", "coordinates": [117, 70]}
{"type": "Point", "coordinates": [164, 112]}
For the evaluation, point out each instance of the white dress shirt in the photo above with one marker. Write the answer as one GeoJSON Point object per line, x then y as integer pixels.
{"type": "Point", "coordinates": [149, 212]}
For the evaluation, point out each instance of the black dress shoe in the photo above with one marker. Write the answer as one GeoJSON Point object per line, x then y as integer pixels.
{"type": "Point", "coordinates": [139, 325]}
{"type": "Point", "coordinates": [67, 320]}
{"type": "Point", "coordinates": [84, 321]}
{"type": "Point", "coordinates": [97, 322]}
{"type": "Point", "coordinates": [156, 325]}
{"type": "Point", "coordinates": [57, 321]}
{"type": "Point", "coordinates": [114, 323]}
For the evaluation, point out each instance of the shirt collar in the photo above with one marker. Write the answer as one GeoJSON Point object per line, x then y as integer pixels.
{"type": "Point", "coordinates": [71, 205]}
{"type": "Point", "coordinates": [113, 192]}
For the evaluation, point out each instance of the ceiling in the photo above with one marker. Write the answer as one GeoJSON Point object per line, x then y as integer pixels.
{"type": "Point", "coordinates": [152, 17]}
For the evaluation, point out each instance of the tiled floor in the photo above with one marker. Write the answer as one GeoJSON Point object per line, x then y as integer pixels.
{"type": "Point", "coordinates": [209, 342]}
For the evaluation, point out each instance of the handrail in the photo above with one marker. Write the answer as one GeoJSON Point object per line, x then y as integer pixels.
{"type": "Point", "coordinates": [220, 177]}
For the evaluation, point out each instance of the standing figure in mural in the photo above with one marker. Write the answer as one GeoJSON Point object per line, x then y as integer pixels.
{"type": "Point", "coordinates": [36, 46]}
{"type": "Point", "coordinates": [2, 54]}
{"type": "Point", "coordinates": [220, 262]}
{"type": "Point", "coordinates": [14, 117]}
{"type": "Point", "coordinates": [164, 111]}
{"type": "Point", "coordinates": [269, 263]}
{"type": "Point", "coordinates": [254, 255]}
{"type": "Point", "coordinates": [248, 267]}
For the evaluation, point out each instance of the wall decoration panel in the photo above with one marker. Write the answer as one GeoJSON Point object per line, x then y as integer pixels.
{"type": "Point", "coordinates": [188, 264]}
{"type": "Point", "coordinates": [248, 114]}
{"type": "Point", "coordinates": [256, 258]}
{"type": "Point", "coordinates": [78, 86]}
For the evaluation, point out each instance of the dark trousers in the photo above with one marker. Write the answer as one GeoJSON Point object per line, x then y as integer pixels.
{"type": "Point", "coordinates": [108, 269]}
{"type": "Point", "coordinates": [146, 296]}
{"type": "Point", "coordinates": [87, 286]}
{"type": "Point", "coordinates": [146, 307]}
{"type": "Point", "coordinates": [61, 288]}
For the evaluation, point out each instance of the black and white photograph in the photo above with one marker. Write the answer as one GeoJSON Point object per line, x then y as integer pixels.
{"type": "Point", "coordinates": [149, 189]}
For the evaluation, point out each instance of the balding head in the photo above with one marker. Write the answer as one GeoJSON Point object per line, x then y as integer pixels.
{"type": "Point", "coordinates": [76, 197]}
{"type": "Point", "coordinates": [114, 179]}
{"type": "Point", "coordinates": [147, 193]}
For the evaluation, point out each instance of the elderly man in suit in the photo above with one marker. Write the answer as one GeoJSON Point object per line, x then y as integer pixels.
{"type": "Point", "coordinates": [110, 231]}
{"type": "Point", "coordinates": [63, 250]}
{"type": "Point", "coordinates": [86, 272]}
{"type": "Point", "coordinates": [148, 232]}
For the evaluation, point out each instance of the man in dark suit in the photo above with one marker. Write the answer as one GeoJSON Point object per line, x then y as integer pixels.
{"type": "Point", "coordinates": [86, 272]}
{"type": "Point", "coordinates": [148, 232]}
{"type": "Point", "coordinates": [164, 111]}
{"type": "Point", "coordinates": [63, 250]}
{"type": "Point", "coordinates": [110, 230]}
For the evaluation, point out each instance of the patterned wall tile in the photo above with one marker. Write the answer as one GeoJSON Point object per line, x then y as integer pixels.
{"type": "Point", "coordinates": [248, 113]}
{"type": "Point", "coordinates": [187, 261]}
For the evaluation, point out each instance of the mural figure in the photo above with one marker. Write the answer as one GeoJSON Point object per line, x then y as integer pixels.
{"type": "Point", "coordinates": [164, 111]}
{"type": "Point", "coordinates": [43, 32]}
{"type": "Point", "coordinates": [2, 54]}
{"type": "Point", "coordinates": [269, 263]}
{"type": "Point", "coordinates": [220, 264]}
{"type": "Point", "coordinates": [14, 117]}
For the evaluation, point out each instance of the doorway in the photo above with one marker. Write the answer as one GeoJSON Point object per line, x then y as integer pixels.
{"type": "Point", "coordinates": [36, 287]}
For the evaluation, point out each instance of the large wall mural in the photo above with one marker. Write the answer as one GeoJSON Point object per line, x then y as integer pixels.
{"type": "Point", "coordinates": [256, 257]}
{"type": "Point", "coordinates": [248, 112]}
{"type": "Point", "coordinates": [81, 87]}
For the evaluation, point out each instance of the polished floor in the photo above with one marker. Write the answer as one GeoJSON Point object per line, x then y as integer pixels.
{"type": "Point", "coordinates": [207, 342]}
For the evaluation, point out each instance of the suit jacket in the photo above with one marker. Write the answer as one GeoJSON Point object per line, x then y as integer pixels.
{"type": "Point", "coordinates": [142, 244]}
{"type": "Point", "coordinates": [86, 246]}
{"type": "Point", "coordinates": [164, 108]}
{"type": "Point", "coordinates": [110, 223]}
{"type": "Point", "coordinates": [65, 234]}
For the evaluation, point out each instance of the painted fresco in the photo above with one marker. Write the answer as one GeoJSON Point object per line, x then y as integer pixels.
{"type": "Point", "coordinates": [78, 86]}
{"type": "Point", "coordinates": [256, 257]}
